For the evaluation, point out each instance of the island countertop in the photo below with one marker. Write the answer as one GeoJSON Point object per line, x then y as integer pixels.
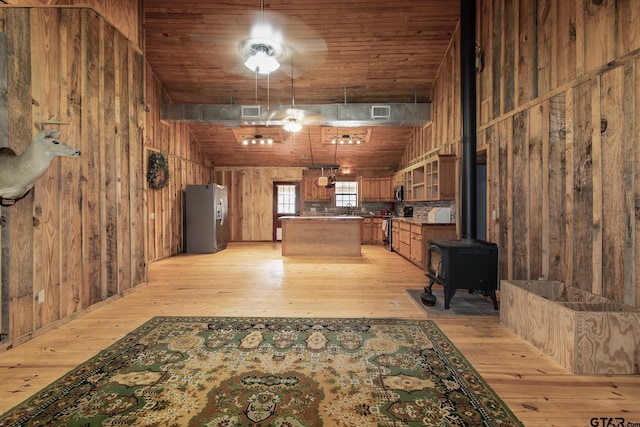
{"type": "Point", "coordinates": [321, 235]}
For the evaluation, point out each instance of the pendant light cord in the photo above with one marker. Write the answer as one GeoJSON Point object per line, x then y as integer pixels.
{"type": "Point", "coordinates": [310, 147]}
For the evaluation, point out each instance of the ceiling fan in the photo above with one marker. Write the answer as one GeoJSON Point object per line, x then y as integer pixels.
{"type": "Point", "coordinates": [267, 48]}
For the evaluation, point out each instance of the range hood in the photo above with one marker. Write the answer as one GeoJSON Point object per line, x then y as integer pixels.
{"type": "Point", "coordinates": [349, 115]}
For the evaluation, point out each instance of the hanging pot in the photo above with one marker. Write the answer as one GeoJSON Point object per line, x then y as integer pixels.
{"type": "Point", "coordinates": [322, 181]}
{"type": "Point", "coordinates": [331, 181]}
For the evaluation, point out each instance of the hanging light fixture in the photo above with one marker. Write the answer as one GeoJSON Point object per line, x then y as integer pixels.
{"type": "Point", "coordinates": [257, 140]}
{"type": "Point", "coordinates": [292, 124]}
{"type": "Point", "coordinates": [263, 48]}
{"type": "Point", "coordinates": [262, 61]}
{"type": "Point", "coordinates": [293, 120]}
{"type": "Point", "coordinates": [346, 139]}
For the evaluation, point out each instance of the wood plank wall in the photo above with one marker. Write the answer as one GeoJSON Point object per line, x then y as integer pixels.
{"type": "Point", "coordinates": [124, 15]}
{"type": "Point", "coordinates": [559, 122]}
{"type": "Point", "coordinates": [78, 235]}
{"type": "Point", "coordinates": [250, 194]}
{"type": "Point", "coordinates": [187, 165]}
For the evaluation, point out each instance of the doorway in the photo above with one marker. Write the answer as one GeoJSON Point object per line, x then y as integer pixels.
{"type": "Point", "coordinates": [481, 196]}
{"type": "Point", "coordinates": [286, 202]}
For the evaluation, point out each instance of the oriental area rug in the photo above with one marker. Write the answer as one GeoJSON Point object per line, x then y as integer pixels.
{"type": "Point", "coordinates": [271, 372]}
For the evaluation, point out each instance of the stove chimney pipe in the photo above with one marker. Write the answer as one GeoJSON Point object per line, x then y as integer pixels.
{"type": "Point", "coordinates": [468, 98]}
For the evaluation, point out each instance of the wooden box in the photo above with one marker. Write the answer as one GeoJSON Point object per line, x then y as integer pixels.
{"type": "Point", "coordinates": [584, 332]}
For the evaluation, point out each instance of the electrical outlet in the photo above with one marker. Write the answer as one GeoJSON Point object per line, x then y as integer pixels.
{"type": "Point", "coordinates": [41, 296]}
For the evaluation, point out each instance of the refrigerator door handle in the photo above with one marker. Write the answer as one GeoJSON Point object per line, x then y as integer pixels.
{"type": "Point", "coordinates": [220, 212]}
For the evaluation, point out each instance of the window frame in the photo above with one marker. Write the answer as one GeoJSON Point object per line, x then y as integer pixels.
{"type": "Point", "coordinates": [351, 197]}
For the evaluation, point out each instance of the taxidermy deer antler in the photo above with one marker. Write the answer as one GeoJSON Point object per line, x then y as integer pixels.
{"type": "Point", "coordinates": [18, 174]}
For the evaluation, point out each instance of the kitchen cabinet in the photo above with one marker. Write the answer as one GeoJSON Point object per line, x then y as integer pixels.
{"type": "Point", "coordinates": [404, 248]}
{"type": "Point", "coordinates": [410, 238]}
{"type": "Point", "coordinates": [372, 231]}
{"type": "Point", "coordinates": [416, 254]}
{"type": "Point", "coordinates": [395, 236]}
{"type": "Point", "coordinates": [369, 189]}
{"type": "Point", "coordinates": [378, 234]}
{"type": "Point", "coordinates": [313, 193]}
{"type": "Point", "coordinates": [386, 189]}
{"type": "Point", "coordinates": [440, 178]}
{"type": "Point", "coordinates": [431, 180]}
{"type": "Point", "coordinates": [367, 231]}
{"type": "Point", "coordinates": [376, 189]}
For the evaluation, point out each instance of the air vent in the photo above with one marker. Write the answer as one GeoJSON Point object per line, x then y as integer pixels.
{"type": "Point", "coordinates": [380, 111]}
{"type": "Point", "coordinates": [250, 112]}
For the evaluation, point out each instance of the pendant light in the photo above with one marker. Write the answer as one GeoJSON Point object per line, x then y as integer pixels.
{"type": "Point", "coordinates": [293, 120]}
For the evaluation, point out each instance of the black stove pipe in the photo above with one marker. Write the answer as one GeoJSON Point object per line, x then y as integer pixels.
{"type": "Point", "coordinates": [468, 97]}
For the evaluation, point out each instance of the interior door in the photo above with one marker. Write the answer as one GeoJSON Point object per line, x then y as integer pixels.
{"type": "Point", "coordinates": [286, 202]}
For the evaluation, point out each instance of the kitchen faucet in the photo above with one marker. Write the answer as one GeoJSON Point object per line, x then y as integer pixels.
{"type": "Point", "coordinates": [349, 210]}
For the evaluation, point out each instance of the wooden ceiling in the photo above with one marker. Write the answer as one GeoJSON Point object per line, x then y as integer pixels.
{"type": "Point", "coordinates": [336, 52]}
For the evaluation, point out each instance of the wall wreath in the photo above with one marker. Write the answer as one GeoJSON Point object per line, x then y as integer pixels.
{"type": "Point", "coordinates": [157, 171]}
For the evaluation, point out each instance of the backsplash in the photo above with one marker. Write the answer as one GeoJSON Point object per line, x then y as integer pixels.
{"type": "Point", "coordinates": [420, 209]}
{"type": "Point", "coordinates": [327, 209]}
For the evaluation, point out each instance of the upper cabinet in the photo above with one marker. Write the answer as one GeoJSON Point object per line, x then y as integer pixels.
{"type": "Point", "coordinates": [314, 193]}
{"type": "Point", "coordinates": [440, 177]}
{"type": "Point", "coordinates": [431, 180]}
{"type": "Point", "coordinates": [376, 189]}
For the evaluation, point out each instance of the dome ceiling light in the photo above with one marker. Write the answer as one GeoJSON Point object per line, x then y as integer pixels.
{"type": "Point", "coordinates": [264, 48]}
{"type": "Point", "coordinates": [262, 55]}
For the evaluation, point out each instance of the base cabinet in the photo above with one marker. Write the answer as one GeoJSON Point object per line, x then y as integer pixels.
{"type": "Point", "coordinates": [372, 231]}
{"type": "Point", "coordinates": [395, 236]}
{"type": "Point", "coordinates": [410, 238]}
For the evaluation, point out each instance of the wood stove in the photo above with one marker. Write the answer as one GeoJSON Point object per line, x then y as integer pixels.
{"type": "Point", "coordinates": [454, 264]}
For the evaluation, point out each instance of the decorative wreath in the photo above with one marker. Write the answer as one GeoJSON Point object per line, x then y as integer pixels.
{"type": "Point", "coordinates": [158, 171]}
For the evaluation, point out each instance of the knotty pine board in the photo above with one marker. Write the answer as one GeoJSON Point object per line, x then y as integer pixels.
{"type": "Point", "coordinates": [556, 232]}
{"type": "Point", "coordinates": [617, 204]}
{"type": "Point", "coordinates": [18, 234]}
{"type": "Point", "coordinates": [45, 54]}
{"type": "Point", "coordinates": [519, 200]}
{"type": "Point", "coordinates": [71, 288]}
{"type": "Point", "coordinates": [537, 203]}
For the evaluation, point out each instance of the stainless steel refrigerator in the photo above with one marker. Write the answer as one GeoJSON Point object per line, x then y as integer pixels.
{"type": "Point", "coordinates": [206, 218]}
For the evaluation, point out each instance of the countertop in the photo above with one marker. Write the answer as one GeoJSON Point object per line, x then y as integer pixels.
{"type": "Point", "coordinates": [323, 218]}
{"type": "Point", "coordinates": [419, 221]}
{"type": "Point", "coordinates": [410, 220]}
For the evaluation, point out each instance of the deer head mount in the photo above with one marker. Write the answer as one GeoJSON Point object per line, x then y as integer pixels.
{"type": "Point", "coordinates": [18, 174]}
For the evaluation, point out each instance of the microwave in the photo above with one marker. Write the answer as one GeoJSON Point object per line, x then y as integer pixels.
{"type": "Point", "coordinates": [398, 193]}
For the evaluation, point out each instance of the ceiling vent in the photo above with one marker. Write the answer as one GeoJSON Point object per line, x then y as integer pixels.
{"type": "Point", "coordinates": [250, 112]}
{"type": "Point", "coordinates": [381, 112]}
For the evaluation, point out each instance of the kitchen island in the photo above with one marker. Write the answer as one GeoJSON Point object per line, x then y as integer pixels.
{"type": "Point", "coordinates": [321, 235]}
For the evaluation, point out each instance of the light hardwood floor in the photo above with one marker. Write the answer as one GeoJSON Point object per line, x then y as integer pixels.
{"type": "Point", "coordinates": [252, 279]}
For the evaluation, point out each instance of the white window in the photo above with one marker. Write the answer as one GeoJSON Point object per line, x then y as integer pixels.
{"type": "Point", "coordinates": [346, 193]}
{"type": "Point", "coordinates": [287, 199]}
